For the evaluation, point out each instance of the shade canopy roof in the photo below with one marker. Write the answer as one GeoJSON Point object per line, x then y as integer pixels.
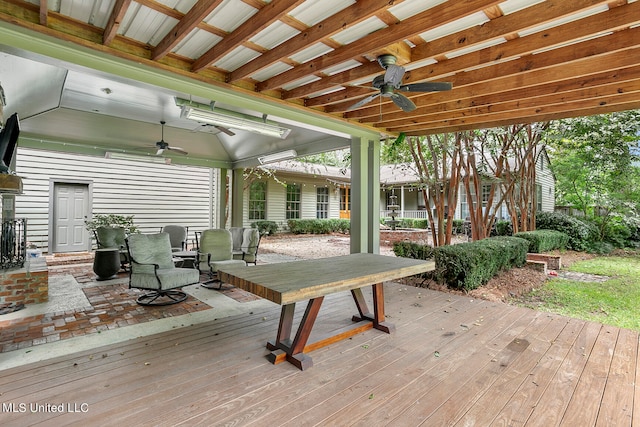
{"type": "Point", "coordinates": [305, 63]}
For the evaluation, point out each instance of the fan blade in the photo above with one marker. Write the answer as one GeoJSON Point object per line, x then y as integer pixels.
{"type": "Point", "coordinates": [177, 149]}
{"type": "Point", "coordinates": [225, 130]}
{"type": "Point", "coordinates": [393, 75]}
{"type": "Point", "coordinates": [403, 102]}
{"type": "Point", "coordinates": [160, 151]}
{"type": "Point", "coordinates": [426, 87]}
{"type": "Point", "coordinates": [364, 101]}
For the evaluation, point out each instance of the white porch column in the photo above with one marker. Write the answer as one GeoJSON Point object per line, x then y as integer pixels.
{"type": "Point", "coordinates": [365, 195]}
{"type": "Point", "coordinates": [237, 198]}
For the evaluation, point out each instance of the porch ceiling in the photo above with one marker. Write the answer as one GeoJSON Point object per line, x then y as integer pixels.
{"type": "Point", "coordinates": [301, 62]}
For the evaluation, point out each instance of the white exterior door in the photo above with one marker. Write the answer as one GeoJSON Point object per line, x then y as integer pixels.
{"type": "Point", "coordinates": [70, 209]}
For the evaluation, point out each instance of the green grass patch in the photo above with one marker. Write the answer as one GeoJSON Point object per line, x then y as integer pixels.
{"type": "Point", "coordinates": [615, 302]}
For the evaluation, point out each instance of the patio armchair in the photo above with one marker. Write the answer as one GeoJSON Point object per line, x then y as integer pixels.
{"type": "Point", "coordinates": [177, 236]}
{"type": "Point", "coordinates": [245, 244]}
{"type": "Point", "coordinates": [215, 251]}
{"type": "Point", "coordinates": [113, 237]}
{"type": "Point", "coordinates": [152, 268]}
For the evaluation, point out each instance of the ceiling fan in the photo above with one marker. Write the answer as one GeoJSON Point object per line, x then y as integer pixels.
{"type": "Point", "coordinates": [162, 145]}
{"type": "Point", "coordinates": [390, 84]}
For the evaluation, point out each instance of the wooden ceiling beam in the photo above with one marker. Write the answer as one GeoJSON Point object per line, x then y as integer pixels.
{"type": "Point", "coordinates": [115, 18]}
{"type": "Point", "coordinates": [541, 100]}
{"type": "Point", "coordinates": [498, 122]}
{"type": "Point", "coordinates": [431, 18]}
{"type": "Point", "coordinates": [536, 15]}
{"type": "Point", "coordinates": [350, 16]}
{"type": "Point", "coordinates": [189, 21]}
{"type": "Point", "coordinates": [261, 20]}
{"type": "Point", "coordinates": [583, 107]}
{"type": "Point", "coordinates": [495, 95]}
{"type": "Point", "coordinates": [570, 61]}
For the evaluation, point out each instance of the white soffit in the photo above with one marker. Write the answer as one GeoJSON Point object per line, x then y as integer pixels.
{"type": "Point", "coordinates": [313, 11]}
{"type": "Point", "coordinates": [274, 35]}
{"type": "Point", "coordinates": [343, 66]}
{"type": "Point", "coordinates": [145, 25]}
{"type": "Point", "coordinates": [95, 13]}
{"type": "Point", "coordinates": [230, 15]}
{"type": "Point", "coordinates": [270, 71]}
{"type": "Point", "coordinates": [312, 52]}
{"type": "Point", "coordinates": [359, 30]}
{"type": "Point", "coordinates": [511, 6]}
{"type": "Point", "coordinates": [565, 19]}
{"type": "Point", "coordinates": [236, 58]}
{"type": "Point", "coordinates": [470, 21]}
{"type": "Point", "coordinates": [409, 8]}
{"type": "Point", "coordinates": [300, 82]}
{"type": "Point", "coordinates": [196, 43]}
{"type": "Point", "coordinates": [476, 47]}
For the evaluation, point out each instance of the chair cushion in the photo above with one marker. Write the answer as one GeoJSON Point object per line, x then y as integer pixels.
{"type": "Point", "coordinates": [177, 236]}
{"type": "Point", "coordinates": [170, 278]}
{"type": "Point", "coordinates": [237, 234]}
{"type": "Point", "coordinates": [215, 265]}
{"type": "Point", "coordinates": [151, 249]}
{"type": "Point", "coordinates": [216, 242]}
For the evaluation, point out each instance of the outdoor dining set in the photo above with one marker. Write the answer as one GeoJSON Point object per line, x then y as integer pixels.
{"type": "Point", "coordinates": [162, 263]}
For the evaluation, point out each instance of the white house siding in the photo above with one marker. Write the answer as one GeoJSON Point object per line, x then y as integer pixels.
{"type": "Point", "coordinates": [545, 177]}
{"type": "Point", "coordinates": [277, 196]}
{"type": "Point", "coordinates": [156, 194]}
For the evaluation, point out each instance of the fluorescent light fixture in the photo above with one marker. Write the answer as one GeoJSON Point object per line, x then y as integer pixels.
{"type": "Point", "coordinates": [239, 121]}
{"type": "Point", "coordinates": [282, 155]}
{"type": "Point", "coordinates": [137, 158]}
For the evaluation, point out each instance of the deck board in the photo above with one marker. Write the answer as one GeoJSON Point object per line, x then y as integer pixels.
{"type": "Point", "coordinates": [495, 364]}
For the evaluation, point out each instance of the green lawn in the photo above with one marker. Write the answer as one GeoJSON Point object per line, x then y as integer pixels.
{"type": "Point", "coordinates": [614, 302]}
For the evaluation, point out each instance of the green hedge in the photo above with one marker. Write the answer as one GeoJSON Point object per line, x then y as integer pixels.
{"type": "Point", "coordinates": [470, 265]}
{"type": "Point", "coordinates": [412, 250]}
{"type": "Point", "coordinates": [319, 226]}
{"type": "Point", "coordinates": [408, 222]}
{"type": "Point", "coordinates": [581, 234]}
{"type": "Point", "coordinates": [544, 240]}
{"type": "Point", "coordinates": [265, 227]}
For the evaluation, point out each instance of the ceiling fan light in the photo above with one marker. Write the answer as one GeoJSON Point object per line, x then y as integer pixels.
{"type": "Point", "coordinates": [234, 122]}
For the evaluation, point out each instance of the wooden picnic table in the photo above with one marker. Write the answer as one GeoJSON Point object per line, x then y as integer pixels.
{"type": "Point", "coordinates": [291, 282]}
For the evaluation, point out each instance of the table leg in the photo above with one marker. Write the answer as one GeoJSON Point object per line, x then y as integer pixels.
{"type": "Point", "coordinates": [294, 350]}
{"type": "Point", "coordinates": [378, 308]}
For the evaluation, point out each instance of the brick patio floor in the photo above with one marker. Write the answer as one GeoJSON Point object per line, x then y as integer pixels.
{"type": "Point", "coordinates": [113, 306]}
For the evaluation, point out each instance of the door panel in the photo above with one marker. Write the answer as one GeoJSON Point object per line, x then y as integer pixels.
{"type": "Point", "coordinates": [71, 207]}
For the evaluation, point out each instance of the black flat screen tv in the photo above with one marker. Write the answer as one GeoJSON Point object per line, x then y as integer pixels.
{"type": "Point", "coordinates": [8, 140]}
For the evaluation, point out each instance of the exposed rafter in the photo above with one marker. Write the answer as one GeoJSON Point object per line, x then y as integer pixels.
{"type": "Point", "coordinates": [549, 59]}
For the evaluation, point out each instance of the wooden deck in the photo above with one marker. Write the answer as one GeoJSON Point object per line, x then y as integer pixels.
{"type": "Point", "coordinates": [451, 361]}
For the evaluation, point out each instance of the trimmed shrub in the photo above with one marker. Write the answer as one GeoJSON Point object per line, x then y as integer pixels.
{"type": "Point", "coordinates": [412, 250]}
{"type": "Point", "coordinates": [544, 240]}
{"type": "Point", "coordinates": [504, 227]}
{"type": "Point", "coordinates": [581, 234]}
{"type": "Point", "coordinates": [470, 265]}
{"type": "Point", "coordinates": [318, 226]}
{"type": "Point", "coordinates": [265, 227]}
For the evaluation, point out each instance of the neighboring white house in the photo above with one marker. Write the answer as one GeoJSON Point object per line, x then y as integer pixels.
{"type": "Point", "coordinates": [301, 190]}
{"type": "Point", "coordinates": [61, 190]}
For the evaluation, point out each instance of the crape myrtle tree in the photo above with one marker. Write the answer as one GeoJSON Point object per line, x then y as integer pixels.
{"type": "Point", "coordinates": [494, 166]}
{"type": "Point", "coordinates": [435, 160]}
{"type": "Point", "coordinates": [507, 168]}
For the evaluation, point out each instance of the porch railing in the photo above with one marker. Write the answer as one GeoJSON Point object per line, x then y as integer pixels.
{"type": "Point", "coordinates": [13, 243]}
{"type": "Point", "coordinates": [414, 214]}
